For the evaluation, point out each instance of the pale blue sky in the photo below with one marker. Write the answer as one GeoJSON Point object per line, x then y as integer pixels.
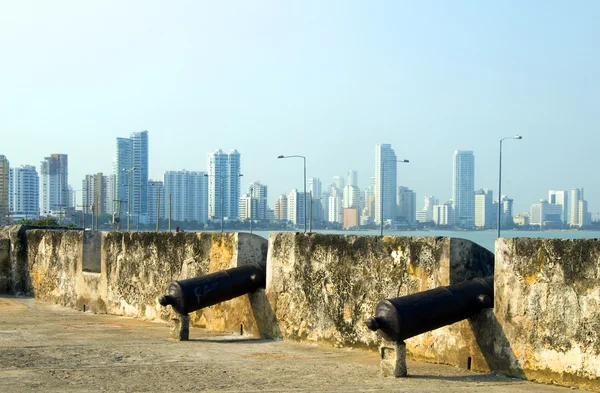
{"type": "Point", "coordinates": [325, 79]}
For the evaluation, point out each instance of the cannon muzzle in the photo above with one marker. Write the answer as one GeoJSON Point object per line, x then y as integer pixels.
{"type": "Point", "coordinates": [400, 318]}
{"type": "Point", "coordinates": [193, 294]}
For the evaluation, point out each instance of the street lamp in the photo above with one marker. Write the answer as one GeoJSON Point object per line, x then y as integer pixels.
{"type": "Point", "coordinates": [221, 177]}
{"type": "Point", "coordinates": [499, 223]}
{"type": "Point", "coordinates": [304, 197]}
{"type": "Point", "coordinates": [381, 191]}
{"type": "Point", "coordinates": [128, 195]}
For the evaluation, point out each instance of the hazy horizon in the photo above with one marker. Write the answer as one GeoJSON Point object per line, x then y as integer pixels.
{"type": "Point", "coordinates": [327, 80]}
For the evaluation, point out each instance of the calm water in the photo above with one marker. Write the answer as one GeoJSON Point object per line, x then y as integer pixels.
{"type": "Point", "coordinates": [483, 238]}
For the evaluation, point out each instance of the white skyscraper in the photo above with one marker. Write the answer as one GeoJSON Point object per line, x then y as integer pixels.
{"type": "Point", "coordinates": [295, 207]}
{"type": "Point", "coordinates": [55, 184]}
{"type": "Point", "coordinates": [188, 191]}
{"type": "Point", "coordinates": [351, 197]}
{"type": "Point", "coordinates": [484, 209]}
{"type": "Point", "coordinates": [576, 196]}
{"type": "Point", "coordinates": [463, 187]}
{"type": "Point", "coordinates": [224, 177]}
{"type": "Point", "coordinates": [338, 182]}
{"type": "Point", "coordinates": [24, 192]}
{"type": "Point", "coordinates": [385, 164]}
{"type": "Point", "coordinates": [335, 206]}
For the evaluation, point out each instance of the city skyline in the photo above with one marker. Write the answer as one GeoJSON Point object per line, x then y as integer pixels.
{"type": "Point", "coordinates": [325, 81]}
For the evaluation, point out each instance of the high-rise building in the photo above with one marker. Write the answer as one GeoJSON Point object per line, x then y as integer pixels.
{"type": "Point", "coordinates": [463, 187]}
{"type": "Point", "coordinates": [584, 217]}
{"type": "Point", "coordinates": [314, 187]}
{"type": "Point", "coordinates": [224, 185]}
{"type": "Point", "coordinates": [385, 180]}
{"type": "Point", "coordinates": [258, 193]}
{"type": "Point", "coordinates": [560, 198]}
{"type": "Point", "coordinates": [122, 165]}
{"type": "Point", "coordinates": [131, 165]}
{"type": "Point", "coordinates": [507, 212]}
{"type": "Point", "coordinates": [576, 196]}
{"type": "Point", "coordinates": [55, 184]}
{"type": "Point", "coordinates": [484, 208]}
{"type": "Point", "coordinates": [24, 192]}
{"type": "Point", "coordinates": [140, 174]}
{"type": "Point", "coordinates": [295, 207]}
{"type": "Point", "coordinates": [4, 190]}
{"type": "Point", "coordinates": [188, 191]}
{"type": "Point", "coordinates": [281, 208]}
{"type": "Point", "coordinates": [157, 200]}
{"type": "Point", "coordinates": [351, 197]}
{"type": "Point", "coordinates": [315, 191]}
{"type": "Point", "coordinates": [335, 206]}
{"type": "Point", "coordinates": [353, 178]}
{"type": "Point", "coordinates": [407, 204]}
{"type": "Point", "coordinates": [443, 214]}
{"type": "Point", "coordinates": [338, 182]}
{"type": "Point", "coordinates": [96, 194]}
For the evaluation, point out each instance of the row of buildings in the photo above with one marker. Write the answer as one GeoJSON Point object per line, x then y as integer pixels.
{"type": "Point", "coordinates": [216, 194]}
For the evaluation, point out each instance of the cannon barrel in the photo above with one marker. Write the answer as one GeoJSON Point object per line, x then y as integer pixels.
{"type": "Point", "coordinates": [192, 294]}
{"type": "Point", "coordinates": [400, 318]}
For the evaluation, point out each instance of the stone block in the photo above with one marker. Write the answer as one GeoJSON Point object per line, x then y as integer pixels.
{"type": "Point", "coordinates": [547, 304]}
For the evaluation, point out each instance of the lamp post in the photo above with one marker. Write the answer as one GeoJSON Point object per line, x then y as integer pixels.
{"type": "Point", "coordinates": [499, 223]}
{"type": "Point", "coordinates": [128, 195]}
{"type": "Point", "coordinates": [220, 177]}
{"type": "Point", "coordinates": [381, 191]}
{"type": "Point", "coordinates": [304, 197]}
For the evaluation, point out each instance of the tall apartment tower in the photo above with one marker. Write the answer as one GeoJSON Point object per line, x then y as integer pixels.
{"type": "Point", "coordinates": [295, 207]}
{"type": "Point", "coordinates": [24, 192]}
{"type": "Point", "coordinates": [316, 192]}
{"type": "Point", "coordinates": [560, 198]}
{"type": "Point", "coordinates": [281, 207]}
{"type": "Point", "coordinates": [351, 197]}
{"type": "Point", "coordinates": [463, 188]}
{"type": "Point", "coordinates": [55, 184]}
{"type": "Point", "coordinates": [484, 208]}
{"type": "Point", "coordinates": [96, 191]}
{"type": "Point", "coordinates": [131, 164]}
{"type": "Point", "coordinates": [353, 178]}
{"type": "Point", "coordinates": [157, 200]}
{"type": "Point", "coordinates": [4, 190]}
{"type": "Point", "coordinates": [122, 163]}
{"type": "Point", "coordinates": [188, 191]}
{"type": "Point", "coordinates": [258, 194]}
{"type": "Point", "coordinates": [385, 177]}
{"type": "Point", "coordinates": [407, 204]}
{"type": "Point", "coordinates": [224, 185]}
{"type": "Point", "coordinates": [139, 141]}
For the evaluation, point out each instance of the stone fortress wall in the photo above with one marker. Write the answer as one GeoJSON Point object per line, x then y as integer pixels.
{"type": "Point", "coordinates": [545, 324]}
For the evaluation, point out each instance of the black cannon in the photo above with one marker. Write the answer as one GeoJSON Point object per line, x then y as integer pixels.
{"type": "Point", "coordinates": [186, 296]}
{"type": "Point", "coordinates": [407, 316]}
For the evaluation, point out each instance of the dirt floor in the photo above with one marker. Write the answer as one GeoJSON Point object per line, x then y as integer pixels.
{"type": "Point", "coordinates": [48, 348]}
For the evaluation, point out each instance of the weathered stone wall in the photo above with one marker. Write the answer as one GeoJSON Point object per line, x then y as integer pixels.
{"type": "Point", "coordinates": [322, 287]}
{"type": "Point", "coordinates": [547, 302]}
{"type": "Point", "coordinates": [140, 266]}
{"type": "Point", "coordinates": [124, 273]}
{"type": "Point", "coordinates": [4, 265]}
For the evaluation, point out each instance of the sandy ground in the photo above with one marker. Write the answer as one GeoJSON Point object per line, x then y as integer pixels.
{"type": "Point", "coordinates": [48, 348]}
